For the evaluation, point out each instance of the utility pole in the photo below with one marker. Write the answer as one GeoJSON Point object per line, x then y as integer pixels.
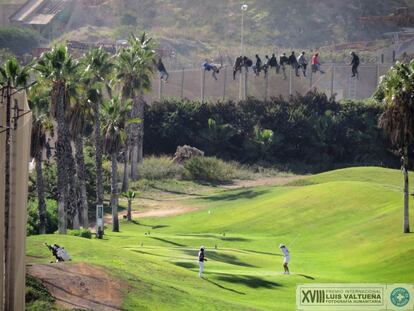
{"type": "Point", "coordinates": [8, 293]}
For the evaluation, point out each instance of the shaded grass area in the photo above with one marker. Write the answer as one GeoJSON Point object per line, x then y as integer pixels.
{"type": "Point", "coordinates": [327, 223]}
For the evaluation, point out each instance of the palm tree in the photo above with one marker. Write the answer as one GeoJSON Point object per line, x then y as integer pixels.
{"type": "Point", "coordinates": [41, 124]}
{"type": "Point", "coordinates": [130, 196]}
{"type": "Point", "coordinates": [135, 67]}
{"type": "Point", "coordinates": [396, 91]}
{"type": "Point", "coordinates": [114, 120]}
{"type": "Point", "coordinates": [55, 68]}
{"type": "Point", "coordinates": [80, 114]}
{"type": "Point", "coordinates": [98, 67]}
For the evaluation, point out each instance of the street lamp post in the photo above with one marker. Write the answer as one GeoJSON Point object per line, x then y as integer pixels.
{"type": "Point", "coordinates": [244, 8]}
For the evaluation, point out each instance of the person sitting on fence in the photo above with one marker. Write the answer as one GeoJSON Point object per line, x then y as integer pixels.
{"type": "Point", "coordinates": [247, 63]}
{"type": "Point", "coordinates": [294, 63]}
{"type": "Point", "coordinates": [354, 64]}
{"type": "Point", "coordinates": [212, 67]}
{"type": "Point", "coordinates": [161, 69]}
{"type": "Point", "coordinates": [273, 63]}
{"type": "Point", "coordinates": [266, 65]}
{"type": "Point", "coordinates": [258, 66]}
{"type": "Point", "coordinates": [238, 64]}
{"type": "Point", "coordinates": [303, 63]}
{"type": "Point", "coordinates": [316, 65]}
{"type": "Point", "coordinates": [283, 61]}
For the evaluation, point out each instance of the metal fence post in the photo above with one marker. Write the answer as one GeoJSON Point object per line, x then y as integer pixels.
{"type": "Point", "coordinates": [311, 79]}
{"type": "Point", "coordinates": [332, 79]}
{"type": "Point", "coordinates": [182, 84]}
{"type": "Point", "coordinates": [224, 83]}
{"type": "Point", "coordinates": [203, 84]}
{"type": "Point", "coordinates": [241, 86]}
{"type": "Point", "coordinates": [266, 86]}
{"type": "Point", "coordinates": [245, 86]}
{"type": "Point", "coordinates": [290, 81]}
{"type": "Point", "coordinates": [160, 90]}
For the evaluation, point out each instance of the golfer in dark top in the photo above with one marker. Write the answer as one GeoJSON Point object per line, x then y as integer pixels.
{"type": "Point", "coordinates": [201, 259]}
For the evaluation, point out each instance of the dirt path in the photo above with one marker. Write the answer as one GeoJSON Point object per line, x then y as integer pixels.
{"type": "Point", "coordinates": [80, 286]}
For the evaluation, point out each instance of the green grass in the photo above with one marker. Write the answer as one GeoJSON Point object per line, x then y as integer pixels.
{"type": "Point", "coordinates": [341, 226]}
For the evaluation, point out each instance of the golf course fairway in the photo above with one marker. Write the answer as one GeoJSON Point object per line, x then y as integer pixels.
{"type": "Point", "coordinates": [340, 227]}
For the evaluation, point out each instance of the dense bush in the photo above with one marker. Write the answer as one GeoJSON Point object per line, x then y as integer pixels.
{"type": "Point", "coordinates": [33, 217]}
{"type": "Point", "coordinates": [82, 233]}
{"type": "Point", "coordinates": [37, 296]}
{"type": "Point", "coordinates": [18, 40]}
{"type": "Point", "coordinates": [159, 168]}
{"type": "Point", "coordinates": [307, 131]}
{"type": "Point", "coordinates": [210, 169]}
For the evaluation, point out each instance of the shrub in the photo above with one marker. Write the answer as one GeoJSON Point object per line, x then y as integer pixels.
{"type": "Point", "coordinates": [82, 233]}
{"type": "Point", "coordinates": [159, 168]}
{"type": "Point", "coordinates": [33, 217]}
{"type": "Point", "coordinates": [37, 296]}
{"type": "Point", "coordinates": [18, 40]}
{"type": "Point", "coordinates": [210, 169]}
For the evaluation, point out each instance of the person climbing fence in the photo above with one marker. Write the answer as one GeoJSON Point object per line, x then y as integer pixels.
{"type": "Point", "coordinates": [355, 65]}
{"type": "Point", "coordinates": [303, 62]}
{"type": "Point", "coordinates": [283, 61]}
{"type": "Point", "coordinates": [316, 65]}
{"type": "Point", "coordinates": [161, 69]}
{"type": "Point", "coordinates": [214, 68]}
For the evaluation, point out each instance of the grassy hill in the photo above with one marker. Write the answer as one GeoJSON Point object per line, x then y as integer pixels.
{"type": "Point", "coordinates": [340, 226]}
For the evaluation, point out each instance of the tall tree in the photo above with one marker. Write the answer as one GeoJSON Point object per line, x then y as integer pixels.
{"type": "Point", "coordinates": [55, 68]}
{"type": "Point", "coordinates": [99, 68]}
{"type": "Point", "coordinates": [135, 67]}
{"type": "Point", "coordinates": [79, 115]}
{"type": "Point", "coordinates": [41, 125]}
{"type": "Point", "coordinates": [397, 92]}
{"type": "Point", "coordinates": [115, 116]}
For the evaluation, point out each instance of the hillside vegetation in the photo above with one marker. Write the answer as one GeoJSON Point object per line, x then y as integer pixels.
{"type": "Point", "coordinates": [340, 226]}
{"type": "Point", "coordinates": [214, 26]}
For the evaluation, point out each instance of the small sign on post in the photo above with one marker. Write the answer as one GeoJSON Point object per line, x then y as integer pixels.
{"type": "Point", "coordinates": [99, 221]}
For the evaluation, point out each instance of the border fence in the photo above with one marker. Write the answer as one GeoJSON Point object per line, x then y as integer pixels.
{"type": "Point", "coordinates": [198, 84]}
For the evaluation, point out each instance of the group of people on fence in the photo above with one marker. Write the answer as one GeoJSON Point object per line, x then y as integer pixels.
{"type": "Point", "coordinates": [258, 66]}
{"type": "Point", "coordinates": [298, 64]}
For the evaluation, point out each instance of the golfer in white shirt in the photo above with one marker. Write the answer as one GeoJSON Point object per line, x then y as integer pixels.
{"type": "Point", "coordinates": [286, 256]}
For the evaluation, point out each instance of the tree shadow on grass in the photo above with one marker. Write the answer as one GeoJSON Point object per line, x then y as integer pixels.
{"type": "Point", "coordinates": [246, 194]}
{"type": "Point", "coordinates": [175, 191]}
{"type": "Point", "coordinates": [263, 253]}
{"type": "Point", "coordinates": [168, 242]}
{"type": "Point", "coordinates": [187, 265]}
{"type": "Point", "coordinates": [135, 222]}
{"type": "Point", "coordinates": [219, 237]}
{"type": "Point", "coordinates": [307, 276]}
{"type": "Point", "coordinates": [249, 281]}
{"type": "Point", "coordinates": [221, 257]}
{"type": "Point", "coordinates": [225, 288]}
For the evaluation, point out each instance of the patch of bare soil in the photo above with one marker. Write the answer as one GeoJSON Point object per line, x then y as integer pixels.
{"type": "Point", "coordinates": [80, 286]}
{"type": "Point", "coordinates": [266, 181]}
